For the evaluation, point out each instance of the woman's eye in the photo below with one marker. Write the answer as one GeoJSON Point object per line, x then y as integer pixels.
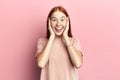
{"type": "Point", "coordinates": [62, 19]}
{"type": "Point", "coordinates": [54, 20]}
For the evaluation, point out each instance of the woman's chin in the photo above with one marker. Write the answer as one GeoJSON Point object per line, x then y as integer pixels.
{"type": "Point", "coordinates": [59, 34]}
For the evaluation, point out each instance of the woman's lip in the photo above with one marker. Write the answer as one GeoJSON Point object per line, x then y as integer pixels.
{"type": "Point", "coordinates": [59, 27]}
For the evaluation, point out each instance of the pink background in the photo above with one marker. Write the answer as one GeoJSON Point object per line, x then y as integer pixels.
{"type": "Point", "coordinates": [95, 22]}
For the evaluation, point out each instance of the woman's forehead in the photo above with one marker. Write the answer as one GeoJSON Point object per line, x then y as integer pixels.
{"type": "Point", "coordinates": [58, 14]}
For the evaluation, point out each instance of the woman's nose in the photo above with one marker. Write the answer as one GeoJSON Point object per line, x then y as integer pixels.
{"type": "Point", "coordinates": [58, 23]}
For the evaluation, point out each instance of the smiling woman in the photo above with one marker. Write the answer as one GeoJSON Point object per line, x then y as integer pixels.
{"type": "Point", "coordinates": [58, 22]}
{"type": "Point", "coordinates": [59, 54]}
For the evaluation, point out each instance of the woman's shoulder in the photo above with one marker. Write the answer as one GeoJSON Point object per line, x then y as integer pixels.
{"type": "Point", "coordinates": [42, 40]}
{"type": "Point", "coordinates": [76, 43]}
{"type": "Point", "coordinates": [74, 39]}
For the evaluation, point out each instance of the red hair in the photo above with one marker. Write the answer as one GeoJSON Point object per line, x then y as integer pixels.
{"type": "Point", "coordinates": [58, 8]}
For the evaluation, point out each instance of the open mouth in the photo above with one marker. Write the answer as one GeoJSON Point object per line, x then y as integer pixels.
{"type": "Point", "coordinates": [59, 28]}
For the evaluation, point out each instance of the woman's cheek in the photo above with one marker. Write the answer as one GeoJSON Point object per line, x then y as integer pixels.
{"type": "Point", "coordinates": [53, 25]}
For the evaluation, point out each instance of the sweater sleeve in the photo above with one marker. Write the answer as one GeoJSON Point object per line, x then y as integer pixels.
{"type": "Point", "coordinates": [40, 45]}
{"type": "Point", "coordinates": [76, 44]}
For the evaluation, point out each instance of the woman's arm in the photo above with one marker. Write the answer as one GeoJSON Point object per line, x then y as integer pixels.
{"type": "Point", "coordinates": [75, 55]}
{"type": "Point", "coordinates": [43, 57]}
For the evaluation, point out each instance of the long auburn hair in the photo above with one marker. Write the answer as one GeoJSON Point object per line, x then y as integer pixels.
{"type": "Point", "coordinates": [60, 8]}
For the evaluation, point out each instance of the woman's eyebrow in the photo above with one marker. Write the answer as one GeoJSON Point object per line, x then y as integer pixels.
{"type": "Point", "coordinates": [60, 17]}
{"type": "Point", "coordinates": [63, 17]}
{"type": "Point", "coordinates": [53, 17]}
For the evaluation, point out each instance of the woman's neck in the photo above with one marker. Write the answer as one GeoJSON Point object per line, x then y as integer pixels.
{"type": "Point", "coordinates": [58, 38]}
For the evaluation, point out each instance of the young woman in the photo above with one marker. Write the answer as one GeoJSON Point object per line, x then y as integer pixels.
{"type": "Point", "coordinates": [59, 54]}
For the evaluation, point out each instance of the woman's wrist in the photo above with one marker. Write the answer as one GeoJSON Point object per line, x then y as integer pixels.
{"type": "Point", "coordinates": [52, 36]}
{"type": "Point", "coordinates": [69, 45]}
{"type": "Point", "coordinates": [67, 41]}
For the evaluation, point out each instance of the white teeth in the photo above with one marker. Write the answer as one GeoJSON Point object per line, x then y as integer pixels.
{"type": "Point", "coordinates": [59, 27]}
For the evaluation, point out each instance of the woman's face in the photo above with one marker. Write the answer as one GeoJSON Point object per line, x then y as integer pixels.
{"type": "Point", "coordinates": [58, 22]}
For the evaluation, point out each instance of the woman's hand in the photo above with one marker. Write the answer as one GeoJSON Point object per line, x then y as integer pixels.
{"type": "Point", "coordinates": [65, 33]}
{"type": "Point", "coordinates": [51, 30]}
